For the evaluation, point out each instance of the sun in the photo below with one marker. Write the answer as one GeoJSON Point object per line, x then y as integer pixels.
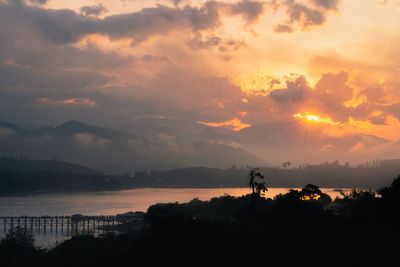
{"type": "Point", "coordinates": [313, 118]}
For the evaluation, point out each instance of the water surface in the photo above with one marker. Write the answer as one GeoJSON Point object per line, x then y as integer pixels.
{"type": "Point", "coordinates": [116, 202]}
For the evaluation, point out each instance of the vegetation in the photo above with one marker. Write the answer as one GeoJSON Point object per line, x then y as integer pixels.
{"type": "Point", "coordinates": [256, 183]}
{"type": "Point", "coordinates": [301, 228]}
{"type": "Point", "coordinates": [30, 176]}
{"type": "Point", "coordinates": [330, 174]}
{"type": "Point", "coordinates": [17, 248]}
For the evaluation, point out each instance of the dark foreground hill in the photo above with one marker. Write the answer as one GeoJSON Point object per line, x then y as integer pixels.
{"type": "Point", "coordinates": [300, 228]}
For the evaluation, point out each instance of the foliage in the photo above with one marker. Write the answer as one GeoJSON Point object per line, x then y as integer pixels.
{"type": "Point", "coordinates": [255, 182]}
{"type": "Point", "coordinates": [391, 193]}
{"type": "Point", "coordinates": [356, 230]}
{"type": "Point", "coordinates": [19, 237]}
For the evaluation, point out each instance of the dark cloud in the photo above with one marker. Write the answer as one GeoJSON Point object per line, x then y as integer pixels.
{"type": "Point", "coordinates": [45, 78]}
{"type": "Point", "coordinates": [58, 26]}
{"type": "Point", "coordinates": [329, 97]}
{"type": "Point", "coordinates": [283, 28]}
{"type": "Point", "coordinates": [333, 88]}
{"type": "Point", "coordinates": [373, 94]}
{"type": "Point", "coordinates": [178, 2]}
{"type": "Point", "coordinates": [296, 91]}
{"type": "Point", "coordinates": [394, 110]}
{"type": "Point", "coordinates": [304, 15]}
{"type": "Point", "coordinates": [66, 26]}
{"type": "Point", "coordinates": [222, 45]}
{"type": "Point", "coordinates": [159, 21]}
{"type": "Point", "coordinates": [376, 120]}
{"type": "Point", "coordinates": [39, 2]}
{"type": "Point", "coordinates": [327, 4]}
{"type": "Point", "coordinates": [95, 10]}
{"type": "Point", "coordinates": [250, 10]}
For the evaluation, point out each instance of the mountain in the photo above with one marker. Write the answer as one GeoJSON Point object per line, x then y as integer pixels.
{"type": "Point", "coordinates": [282, 141]}
{"type": "Point", "coordinates": [164, 143]}
{"type": "Point", "coordinates": [54, 166]}
{"type": "Point", "coordinates": [114, 151]}
{"type": "Point", "coordinates": [183, 131]}
{"type": "Point", "coordinates": [275, 142]}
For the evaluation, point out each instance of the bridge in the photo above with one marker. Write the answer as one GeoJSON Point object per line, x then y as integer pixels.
{"type": "Point", "coordinates": [70, 225]}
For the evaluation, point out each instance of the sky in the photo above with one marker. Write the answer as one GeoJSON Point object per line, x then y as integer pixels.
{"type": "Point", "coordinates": [332, 64]}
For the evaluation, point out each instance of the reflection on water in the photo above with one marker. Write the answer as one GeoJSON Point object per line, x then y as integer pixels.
{"type": "Point", "coordinates": [111, 203]}
{"type": "Point", "coordinates": [50, 239]}
{"type": "Point", "coordinates": [116, 202]}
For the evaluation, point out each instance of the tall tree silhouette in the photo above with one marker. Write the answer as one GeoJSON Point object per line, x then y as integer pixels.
{"type": "Point", "coordinates": [255, 182]}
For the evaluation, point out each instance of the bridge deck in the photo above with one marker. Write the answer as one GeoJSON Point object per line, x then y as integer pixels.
{"type": "Point", "coordinates": [69, 224]}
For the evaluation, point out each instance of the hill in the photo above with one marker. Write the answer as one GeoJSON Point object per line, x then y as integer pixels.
{"type": "Point", "coordinates": [114, 151]}
{"type": "Point", "coordinates": [55, 166]}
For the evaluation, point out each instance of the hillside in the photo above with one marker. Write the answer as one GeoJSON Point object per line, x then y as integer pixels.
{"type": "Point", "coordinates": [56, 166]}
{"type": "Point", "coordinates": [113, 151]}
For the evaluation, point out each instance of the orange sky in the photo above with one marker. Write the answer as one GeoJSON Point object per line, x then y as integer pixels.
{"type": "Point", "coordinates": [359, 37]}
{"type": "Point", "coordinates": [334, 59]}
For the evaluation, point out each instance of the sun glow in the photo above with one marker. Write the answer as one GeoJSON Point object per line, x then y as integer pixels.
{"type": "Point", "coordinates": [313, 118]}
{"type": "Point", "coordinates": [234, 124]}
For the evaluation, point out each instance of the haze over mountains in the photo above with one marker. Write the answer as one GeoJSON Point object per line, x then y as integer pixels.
{"type": "Point", "coordinates": [115, 151]}
{"type": "Point", "coordinates": [163, 143]}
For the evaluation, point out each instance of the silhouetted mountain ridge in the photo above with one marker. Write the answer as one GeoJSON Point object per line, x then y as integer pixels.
{"type": "Point", "coordinates": [114, 151]}
{"type": "Point", "coordinates": [56, 166]}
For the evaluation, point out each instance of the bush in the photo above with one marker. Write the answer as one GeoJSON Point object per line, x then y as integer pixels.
{"type": "Point", "coordinates": [19, 237]}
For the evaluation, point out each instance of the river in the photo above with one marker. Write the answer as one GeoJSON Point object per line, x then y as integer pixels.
{"type": "Point", "coordinates": [116, 202]}
{"type": "Point", "coordinates": [111, 203]}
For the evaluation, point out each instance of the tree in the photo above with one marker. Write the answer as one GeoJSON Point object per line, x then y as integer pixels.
{"type": "Point", "coordinates": [392, 192]}
{"type": "Point", "coordinates": [312, 193]}
{"type": "Point", "coordinates": [286, 164]}
{"type": "Point", "coordinates": [19, 237]}
{"type": "Point", "coordinates": [255, 182]}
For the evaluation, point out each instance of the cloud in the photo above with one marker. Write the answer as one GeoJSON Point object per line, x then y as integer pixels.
{"type": "Point", "coordinates": [295, 91]}
{"type": "Point", "coordinates": [305, 15]}
{"type": "Point", "coordinates": [205, 42]}
{"type": "Point", "coordinates": [224, 46]}
{"type": "Point", "coordinates": [326, 148]}
{"type": "Point", "coordinates": [66, 26]}
{"type": "Point", "coordinates": [58, 64]}
{"type": "Point", "coordinates": [283, 28]}
{"type": "Point", "coordinates": [327, 4]}
{"type": "Point", "coordinates": [376, 120]}
{"type": "Point", "coordinates": [357, 147]}
{"type": "Point", "coordinates": [333, 88]}
{"type": "Point", "coordinates": [250, 10]}
{"type": "Point", "coordinates": [178, 2]}
{"type": "Point", "coordinates": [234, 124]}
{"type": "Point", "coordinates": [373, 94]}
{"type": "Point", "coordinates": [394, 110]}
{"type": "Point", "coordinates": [39, 2]}
{"type": "Point", "coordinates": [95, 10]}
{"type": "Point", "coordinates": [6, 132]}
{"type": "Point", "coordinates": [88, 139]}
{"type": "Point", "coordinates": [169, 141]}
{"type": "Point", "coordinates": [68, 102]}
{"type": "Point", "coordinates": [329, 98]}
